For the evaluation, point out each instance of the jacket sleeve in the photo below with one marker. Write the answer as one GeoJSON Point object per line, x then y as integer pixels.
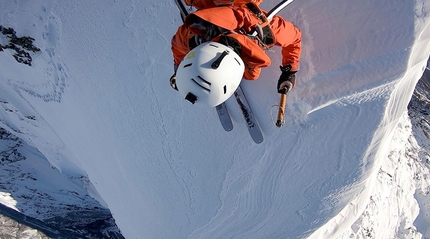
{"type": "Point", "coordinates": [179, 44]}
{"type": "Point", "coordinates": [289, 38]}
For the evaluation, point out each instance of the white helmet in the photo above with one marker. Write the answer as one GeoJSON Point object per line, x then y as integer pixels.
{"type": "Point", "coordinates": [209, 74]}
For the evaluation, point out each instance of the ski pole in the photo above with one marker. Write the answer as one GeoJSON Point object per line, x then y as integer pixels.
{"type": "Point", "coordinates": [281, 112]}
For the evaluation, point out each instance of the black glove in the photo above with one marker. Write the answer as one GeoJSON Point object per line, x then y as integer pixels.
{"type": "Point", "coordinates": [287, 80]}
{"type": "Point", "coordinates": [173, 81]}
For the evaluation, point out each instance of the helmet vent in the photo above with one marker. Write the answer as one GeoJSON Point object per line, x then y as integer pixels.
{"type": "Point", "coordinates": [202, 83]}
{"type": "Point", "coordinates": [217, 62]}
{"type": "Point", "coordinates": [205, 81]}
{"type": "Point", "coordinates": [225, 89]}
{"type": "Point", "coordinates": [238, 62]}
{"type": "Point", "coordinates": [187, 65]}
{"type": "Point", "coordinates": [213, 45]}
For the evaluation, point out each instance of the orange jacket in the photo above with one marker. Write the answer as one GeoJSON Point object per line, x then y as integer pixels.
{"type": "Point", "coordinates": [285, 33]}
{"type": "Point", "coordinates": [202, 4]}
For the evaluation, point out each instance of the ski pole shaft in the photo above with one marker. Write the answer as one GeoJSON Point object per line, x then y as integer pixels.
{"type": "Point", "coordinates": [282, 103]}
{"type": "Point", "coordinates": [278, 8]}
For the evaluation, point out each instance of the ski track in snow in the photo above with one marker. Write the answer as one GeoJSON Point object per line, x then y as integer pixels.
{"type": "Point", "coordinates": [166, 169]}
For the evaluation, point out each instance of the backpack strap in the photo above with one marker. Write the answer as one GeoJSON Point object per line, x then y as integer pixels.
{"type": "Point", "coordinates": [261, 31]}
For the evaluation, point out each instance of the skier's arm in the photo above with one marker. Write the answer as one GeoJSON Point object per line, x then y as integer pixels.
{"type": "Point", "coordinates": [289, 38]}
{"type": "Point", "coordinates": [180, 46]}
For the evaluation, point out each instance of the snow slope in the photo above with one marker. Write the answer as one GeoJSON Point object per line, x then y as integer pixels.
{"type": "Point", "coordinates": [100, 95]}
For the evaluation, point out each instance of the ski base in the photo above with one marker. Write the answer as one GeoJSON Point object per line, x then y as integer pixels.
{"type": "Point", "coordinates": [224, 117]}
{"type": "Point", "coordinates": [251, 121]}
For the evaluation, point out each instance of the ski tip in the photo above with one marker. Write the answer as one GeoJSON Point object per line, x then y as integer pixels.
{"type": "Point", "coordinates": [228, 129]}
{"type": "Point", "coordinates": [258, 140]}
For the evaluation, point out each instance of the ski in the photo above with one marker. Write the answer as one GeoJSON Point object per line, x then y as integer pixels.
{"type": "Point", "coordinates": [224, 117]}
{"type": "Point", "coordinates": [251, 121]}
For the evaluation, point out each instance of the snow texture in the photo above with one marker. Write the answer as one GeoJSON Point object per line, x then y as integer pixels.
{"type": "Point", "coordinates": [101, 107]}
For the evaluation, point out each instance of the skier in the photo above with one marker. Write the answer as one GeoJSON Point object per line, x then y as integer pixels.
{"type": "Point", "coordinates": [242, 29]}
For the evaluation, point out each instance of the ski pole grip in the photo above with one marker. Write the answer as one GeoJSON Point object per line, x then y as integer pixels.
{"type": "Point", "coordinates": [282, 103]}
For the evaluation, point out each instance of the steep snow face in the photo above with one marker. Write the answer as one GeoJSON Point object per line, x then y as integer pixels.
{"type": "Point", "coordinates": [420, 105]}
{"type": "Point", "coordinates": [165, 168]}
{"type": "Point", "coordinates": [398, 206]}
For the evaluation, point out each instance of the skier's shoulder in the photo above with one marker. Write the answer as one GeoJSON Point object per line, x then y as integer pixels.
{"type": "Point", "coordinates": [243, 13]}
{"type": "Point", "coordinates": [202, 4]}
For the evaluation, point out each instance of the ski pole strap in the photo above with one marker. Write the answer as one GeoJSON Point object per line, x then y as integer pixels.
{"type": "Point", "coordinates": [281, 112]}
